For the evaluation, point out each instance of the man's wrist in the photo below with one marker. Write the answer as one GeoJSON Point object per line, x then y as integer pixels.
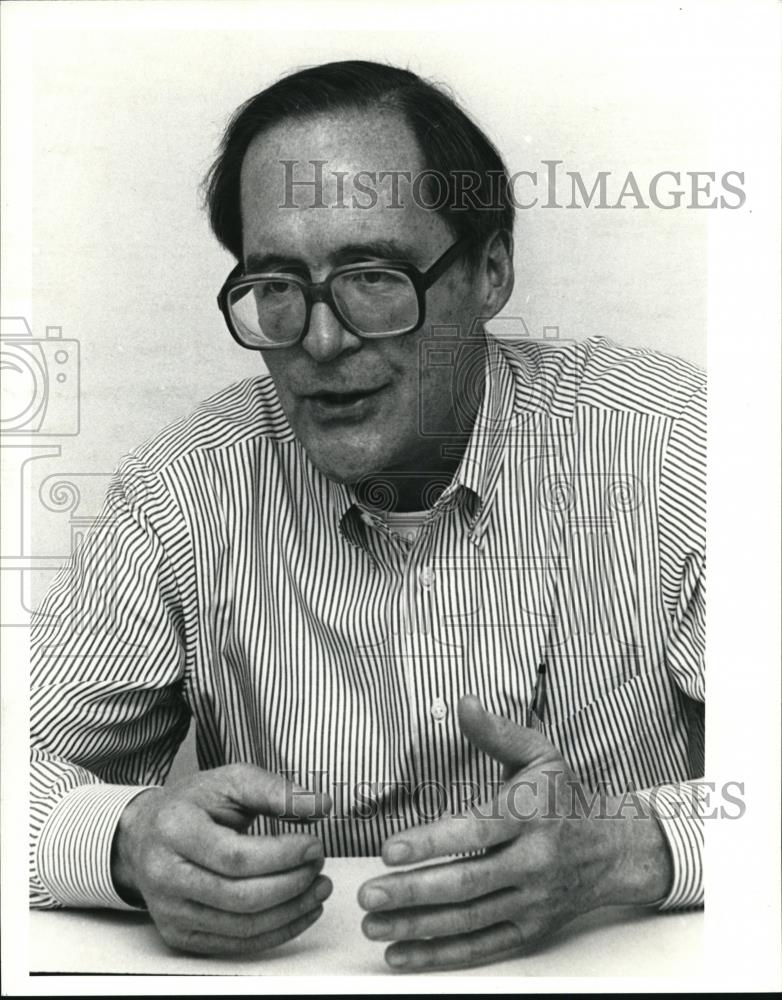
{"type": "Point", "coordinates": [642, 873]}
{"type": "Point", "coordinates": [122, 848]}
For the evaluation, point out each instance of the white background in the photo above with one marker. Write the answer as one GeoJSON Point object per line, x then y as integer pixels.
{"type": "Point", "coordinates": [112, 113]}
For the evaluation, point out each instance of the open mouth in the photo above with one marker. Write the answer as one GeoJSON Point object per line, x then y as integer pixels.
{"type": "Point", "coordinates": [340, 398]}
{"type": "Point", "coordinates": [344, 398]}
{"type": "Point", "coordinates": [344, 403]}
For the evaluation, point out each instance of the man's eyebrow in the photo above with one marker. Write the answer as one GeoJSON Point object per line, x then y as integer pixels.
{"type": "Point", "coordinates": [348, 253]}
{"type": "Point", "coordinates": [256, 263]}
{"type": "Point", "coordinates": [382, 249]}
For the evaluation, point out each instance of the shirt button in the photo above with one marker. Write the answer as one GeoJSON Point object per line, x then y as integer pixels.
{"type": "Point", "coordinates": [439, 710]}
{"type": "Point", "coordinates": [427, 576]}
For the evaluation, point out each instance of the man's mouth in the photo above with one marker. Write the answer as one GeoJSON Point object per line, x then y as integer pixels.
{"type": "Point", "coordinates": [354, 404]}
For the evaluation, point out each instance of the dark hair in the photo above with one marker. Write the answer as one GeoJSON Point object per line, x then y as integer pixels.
{"type": "Point", "coordinates": [449, 140]}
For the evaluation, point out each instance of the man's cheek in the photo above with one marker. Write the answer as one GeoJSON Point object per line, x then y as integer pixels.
{"type": "Point", "coordinates": [433, 396]}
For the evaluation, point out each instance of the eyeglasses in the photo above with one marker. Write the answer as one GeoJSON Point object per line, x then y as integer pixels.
{"type": "Point", "coordinates": [371, 299]}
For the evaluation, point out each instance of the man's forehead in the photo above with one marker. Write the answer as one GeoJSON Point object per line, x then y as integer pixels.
{"type": "Point", "coordinates": [351, 140]}
{"type": "Point", "coordinates": [333, 177]}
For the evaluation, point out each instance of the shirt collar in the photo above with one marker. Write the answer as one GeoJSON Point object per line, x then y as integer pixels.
{"type": "Point", "coordinates": [349, 512]}
{"type": "Point", "coordinates": [481, 463]}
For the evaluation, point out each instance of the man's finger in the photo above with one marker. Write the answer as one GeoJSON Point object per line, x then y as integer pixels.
{"type": "Point", "coordinates": [198, 917]}
{"type": "Point", "coordinates": [241, 895]}
{"type": "Point", "coordinates": [224, 851]}
{"type": "Point", "coordinates": [204, 943]}
{"type": "Point", "coordinates": [452, 882]}
{"type": "Point", "coordinates": [487, 825]}
{"type": "Point", "coordinates": [241, 790]}
{"type": "Point", "coordinates": [456, 952]}
{"type": "Point", "coordinates": [514, 746]}
{"type": "Point", "coordinates": [420, 922]}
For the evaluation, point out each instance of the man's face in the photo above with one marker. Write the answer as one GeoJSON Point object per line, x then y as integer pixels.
{"type": "Point", "coordinates": [352, 402]}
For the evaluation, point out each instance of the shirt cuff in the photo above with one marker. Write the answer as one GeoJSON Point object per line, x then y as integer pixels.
{"type": "Point", "coordinates": [677, 810]}
{"type": "Point", "coordinates": [74, 848]}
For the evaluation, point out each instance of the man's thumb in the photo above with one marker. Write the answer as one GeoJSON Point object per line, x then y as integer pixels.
{"type": "Point", "coordinates": [512, 745]}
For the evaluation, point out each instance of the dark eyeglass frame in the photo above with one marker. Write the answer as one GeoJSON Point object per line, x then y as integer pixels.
{"type": "Point", "coordinates": [320, 291]}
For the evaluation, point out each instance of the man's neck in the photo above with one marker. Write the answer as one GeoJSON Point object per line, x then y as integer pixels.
{"type": "Point", "coordinates": [407, 490]}
{"type": "Point", "coordinates": [417, 485]}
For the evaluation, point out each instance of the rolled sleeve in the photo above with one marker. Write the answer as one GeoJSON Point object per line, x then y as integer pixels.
{"type": "Point", "coordinates": [74, 849]}
{"type": "Point", "coordinates": [678, 810]}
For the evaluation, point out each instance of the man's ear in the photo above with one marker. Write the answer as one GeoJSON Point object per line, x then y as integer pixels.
{"type": "Point", "coordinates": [497, 272]}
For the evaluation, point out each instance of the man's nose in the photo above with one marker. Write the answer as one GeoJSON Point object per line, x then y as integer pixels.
{"type": "Point", "coordinates": [326, 337]}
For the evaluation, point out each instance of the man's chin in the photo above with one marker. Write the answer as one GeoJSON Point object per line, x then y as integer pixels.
{"type": "Point", "coordinates": [347, 465]}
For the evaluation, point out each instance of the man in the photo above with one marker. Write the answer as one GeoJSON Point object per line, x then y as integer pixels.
{"type": "Point", "coordinates": [423, 593]}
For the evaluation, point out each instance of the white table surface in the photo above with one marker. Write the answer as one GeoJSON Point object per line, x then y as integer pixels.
{"type": "Point", "coordinates": [615, 941]}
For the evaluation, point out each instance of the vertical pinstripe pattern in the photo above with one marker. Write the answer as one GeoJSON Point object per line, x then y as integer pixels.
{"type": "Point", "coordinates": [229, 581]}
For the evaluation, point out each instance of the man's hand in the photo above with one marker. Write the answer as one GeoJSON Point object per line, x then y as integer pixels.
{"type": "Point", "coordinates": [548, 858]}
{"type": "Point", "coordinates": [208, 887]}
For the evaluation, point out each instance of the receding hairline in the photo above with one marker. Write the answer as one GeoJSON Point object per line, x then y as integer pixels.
{"type": "Point", "coordinates": [309, 118]}
{"type": "Point", "coordinates": [449, 140]}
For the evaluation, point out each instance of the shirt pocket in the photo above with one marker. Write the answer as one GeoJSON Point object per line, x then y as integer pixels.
{"type": "Point", "coordinates": [629, 736]}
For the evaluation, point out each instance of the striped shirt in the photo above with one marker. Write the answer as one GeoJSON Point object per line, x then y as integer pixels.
{"type": "Point", "coordinates": [228, 581]}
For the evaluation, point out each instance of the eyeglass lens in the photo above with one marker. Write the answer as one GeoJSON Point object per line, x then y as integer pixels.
{"type": "Point", "coordinates": [375, 302]}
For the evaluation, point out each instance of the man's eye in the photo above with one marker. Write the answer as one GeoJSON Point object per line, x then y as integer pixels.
{"type": "Point", "coordinates": [376, 279]}
{"type": "Point", "coordinates": [277, 288]}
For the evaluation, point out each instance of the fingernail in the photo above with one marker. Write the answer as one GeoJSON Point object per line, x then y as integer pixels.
{"type": "Point", "coordinates": [374, 898]}
{"type": "Point", "coordinates": [314, 853]}
{"type": "Point", "coordinates": [398, 852]}
{"type": "Point", "coordinates": [323, 890]}
{"type": "Point", "coordinates": [397, 959]}
{"type": "Point", "coordinates": [378, 927]}
{"type": "Point", "coordinates": [302, 796]}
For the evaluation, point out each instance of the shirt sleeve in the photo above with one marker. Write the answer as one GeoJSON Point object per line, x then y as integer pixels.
{"type": "Point", "coordinates": [679, 808]}
{"type": "Point", "coordinates": [106, 706]}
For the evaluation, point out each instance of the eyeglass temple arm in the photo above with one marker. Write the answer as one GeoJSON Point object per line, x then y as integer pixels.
{"type": "Point", "coordinates": [442, 264]}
